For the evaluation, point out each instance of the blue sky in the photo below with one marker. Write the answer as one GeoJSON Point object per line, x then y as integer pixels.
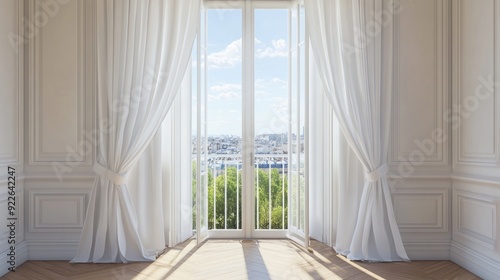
{"type": "Point", "coordinates": [224, 71]}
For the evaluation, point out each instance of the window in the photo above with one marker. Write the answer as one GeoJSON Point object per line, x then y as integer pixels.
{"type": "Point", "coordinates": [249, 114]}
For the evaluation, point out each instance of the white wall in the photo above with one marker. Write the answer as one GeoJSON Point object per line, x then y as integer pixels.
{"type": "Point", "coordinates": [419, 155]}
{"type": "Point", "coordinates": [476, 147]}
{"type": "Point", "coordinates": [445, 144]}
{"type": "Point", "coordinates": [11, 129]}
{"type": "Point", "coordinates": [60, 134]}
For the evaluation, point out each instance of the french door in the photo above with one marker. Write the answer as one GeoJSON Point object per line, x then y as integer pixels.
{"type": "Point", "coordinates": [250, 113]}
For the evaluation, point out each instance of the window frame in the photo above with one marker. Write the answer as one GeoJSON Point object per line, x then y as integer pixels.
{"type": "Point", "coordinates": [248, 100]}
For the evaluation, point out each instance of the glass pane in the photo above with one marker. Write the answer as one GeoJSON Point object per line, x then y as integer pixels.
{"type": "Point", "coordinates": [302, 25]}
{"type": "Point", "coordinates": [271, 117]}
{"type": "Point", "coordinates": [297, 127]}
{"type": "Point", "coordinates": [194, 127]}
{"type": "Point", "coordinates": [293, 28]}
{"type": "Point", "coordinates": [224, 117]}
{"type": "Point", "coordinates": [302, 124]}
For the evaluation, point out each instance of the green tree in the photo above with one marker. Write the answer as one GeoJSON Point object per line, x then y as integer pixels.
{"type": "Point", "coordinates": [226, 183]}
{"type": "Point", "coordinates": [210, 179]}
{"type": "Point", "coordinates": [278, 191]}
{"type": "Point", "coordinates": [227, 196]}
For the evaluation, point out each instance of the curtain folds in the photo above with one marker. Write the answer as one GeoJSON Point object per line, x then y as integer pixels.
{"type": "Point", "coordinates": [353, 52]}
{"type": "Point", "coordinates": [143, 49]}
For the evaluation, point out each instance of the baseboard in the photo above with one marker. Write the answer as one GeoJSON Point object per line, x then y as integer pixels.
{"type": "Point", "coordinates": [428, 250]}
{"type": "Point", "coordinates": [54, 251]}
{"type": "Point", "coordinates": [21, 257]}
{"type": "Point", "coordinates": [474, 261]}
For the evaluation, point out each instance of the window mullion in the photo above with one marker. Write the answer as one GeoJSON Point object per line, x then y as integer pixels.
{"type": "Point", "coordinates": [248, 193]}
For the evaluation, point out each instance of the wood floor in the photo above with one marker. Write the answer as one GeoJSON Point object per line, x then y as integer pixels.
{"type": "Point", "coordinates": [234, 259]}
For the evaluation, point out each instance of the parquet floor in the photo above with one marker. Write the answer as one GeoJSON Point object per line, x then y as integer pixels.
{"type": "Point", "coordinates": [234, 259]}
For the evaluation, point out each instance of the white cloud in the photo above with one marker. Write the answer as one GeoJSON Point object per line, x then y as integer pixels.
{"type": "Point", "coordinates": [280, 103]}
{"type": "Point", "coordinates": [261, 94]}
{"type": "Point", "coordinates": [229, 57]}
{"type": "Point", "coordinates": [278, 80]}
{"type": "Point", "coordinates": [223, 95]}
{"type": "Point", "coordinates": [282, 83]}
{"type": "Point", "coordinates": [224, 91]}
{"type": "Point", "coordinates": [279, 49]}
{"type": "Point", "coordinates": [266, 84]}
{"type": "Point", "coordinates": [225, 88]}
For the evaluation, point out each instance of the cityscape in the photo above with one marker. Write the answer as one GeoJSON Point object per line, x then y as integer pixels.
{"type": "Point", "coordinates": [265, 144]}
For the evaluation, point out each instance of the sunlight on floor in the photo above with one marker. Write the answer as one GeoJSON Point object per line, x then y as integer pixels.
{"type": "Point", "coordinates": [353, 264]}
{"type": "Point", "coordinates": [249, 259]}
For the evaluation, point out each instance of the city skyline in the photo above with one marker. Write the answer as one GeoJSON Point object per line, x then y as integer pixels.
{"type": "Point", "coordinates": [263, 144]}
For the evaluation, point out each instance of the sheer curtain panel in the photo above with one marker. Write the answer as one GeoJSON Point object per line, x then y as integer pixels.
{"type": "Point", "coordinates": [353, 52]}
{"type": "Point", "coordinates": [143, 49]}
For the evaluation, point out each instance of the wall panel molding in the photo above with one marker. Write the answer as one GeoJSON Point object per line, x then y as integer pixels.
{"type": "Point", "coordinates": [476, 224]}
{"type": "Point", "coordinates": [12, 88]}
{"type": "Point", "coordinates": [415, 138]}
{"type": "Point", "coordinates": [475, 120]}
{"type": "Point", "coordinates": [482, 230]}
{"type": "Point", "coordinates": [61, 88]}
{"type": "Point", "coordinates": [56, 211]}
{"type": "Point", "coordinates": [476, 216]}
{"type": "Point", "coordinates": [421, 210]}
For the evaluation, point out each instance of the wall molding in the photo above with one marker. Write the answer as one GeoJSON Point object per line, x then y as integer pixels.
{"type": "Point", "coordinates": [4, 184]}
{"type": "Point", "coordinates": [46, 250]}
{"type": "Point", "coordinates": [474, 261]}
{"type": "Point", "coordinates": [428, 250]}
{"type": "Point", "coordinates": [39, 179]}
{"type": "Point", "coordinates": [19, 200]}
{"type": "Point", "coordinates": [476, 213]}
{"type": "Point", "coordinates": [40, 200]}
{"type": "Point", "coordinates": [483, 181]}
{"type": "Point", "coordinates": [18, 101]}
{"type": "Point", "coordinates": [433, 198]}
{"type": "Point", "coordinates": [487, 239]}
{"type": "Point", "coordinates": [21, 257]}
{"type": "Point", "coordinates": [73, 152]}
{"type": "Point", "coordinates": [469, 160]}
{"type": "Point", "coordinates": [476, 225]}
{"type": "Point", "coordinates": [441, 89]}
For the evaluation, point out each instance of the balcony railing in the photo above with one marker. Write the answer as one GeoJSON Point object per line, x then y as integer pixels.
{"type": "Point", "coordinates": [271, 191]}
{"type": "Point", "coordinates": [224, 182]}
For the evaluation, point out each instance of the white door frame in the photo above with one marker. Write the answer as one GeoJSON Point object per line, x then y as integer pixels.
{"type": "Point", "coordinates": [248, 124]}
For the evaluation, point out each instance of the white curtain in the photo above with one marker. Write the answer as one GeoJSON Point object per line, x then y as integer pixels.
{"type": "Point", "coordinates": [164, 211]}
{"type": "Point", "coordinates": [337, 176]}
{"type": "Point", "coordinates": [353, 52]}
{"type": "Point", "coordinates": [143, 49]}
{"type": "Point", "coordinates": [177, 166]}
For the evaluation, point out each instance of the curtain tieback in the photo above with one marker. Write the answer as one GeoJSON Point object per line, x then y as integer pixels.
{"type": "Point", "coordinates": [113, 177]}
{"type": "Point", "coordinates": [378, 173]}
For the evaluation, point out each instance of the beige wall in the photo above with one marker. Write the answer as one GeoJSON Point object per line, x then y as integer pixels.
{"type": "Point", "coordinates": [11, 126]}
{"type": "Point", "coordinates": [476, 154]}
{"type": "Point", "coordinates": [60, 129]}
{"type": "Point", "coordinates": [419, 155]}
